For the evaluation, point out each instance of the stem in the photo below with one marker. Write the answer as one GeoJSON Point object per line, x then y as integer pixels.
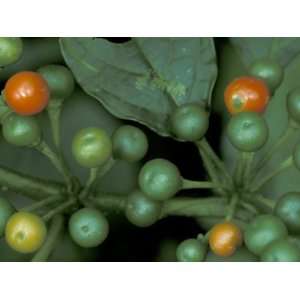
{"type": "Point", "coordinates": [26, 185]}
{"type": "Point", "coordinates": [269, 203]}
{"type": "Point", "coordinates": [107, 201]}
{"type": "Point", "coordinates": [179, 206]}
{"type": "Point", "coordinates": [91, 179]}
{"type": "Point", "coordinates": [283, 166]}
{"type": "Point", "coordinates": [201, 207]}
{"type": "Point", "coordinates": [289, 130]}
{"type": "Point", "coordinates": [217, 161]}
{"type": "Point", "coordinates": [59, 209]}
{"type": "Point", "coordinates": [243, 167]}
{"type": "Point", "coordinates": [248, 157]}
{"type": "Point", "coordinates": [263, 203]}
{"type": "Point", "coordinates": [250, 207]}
{"type": "Point", "coordinates": [232, 207]}
{"type": "Point", "coordinates": [237, 174]}
{"type": "Point", "coordinates": [209, 166]}
{"type": "Point", "coordinates": [46, 150]}
{"type": "Point", "coordinates": [107, 166]}
{"type": "Point", "coordinates": [190, 184]}
{"type": "Point", "coordinates": [48, 246]}
{"type": "Point", "coordinates": [96, 173]}
{"type": "Point", "coordinates": [203, 237]}
{"type": "Point", "coordinates": [42, 203]}
{"type": "Point", "coordinates": [54, 112]}
{"type": "Point", "coordinates": [216, 220]}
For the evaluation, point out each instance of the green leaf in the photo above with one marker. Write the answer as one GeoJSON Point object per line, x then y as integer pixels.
{"type": "Point", "coordinates": [146, 78]}
{"type": "Point", "coordinates": [281, 49]}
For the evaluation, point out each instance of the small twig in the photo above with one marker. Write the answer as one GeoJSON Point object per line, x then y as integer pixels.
{"type": "Point", "coordinates": [232, 207]}
{"type": "Point", "coordinates": [46, 150]}
{"type": "Point", "coordinates": [60, 209]}
{"type": "Point", "coordinates": [96, 173]}
{"type": "Point", "coordinates": [48, 246]}
{"type": "Point", "coordinates": [190, 184]}
{"type": "Point", "coordinates": [41, 203]}
{"type": "Point", "coordinates": [282, 167]}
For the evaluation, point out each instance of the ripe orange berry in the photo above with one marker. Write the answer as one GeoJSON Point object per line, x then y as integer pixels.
{"type": "Point", "coordinates": [224, 238]}
{"type": "Point", "coordinates": [246, 94]}
{"type": "Point", "coordinates": [26, 93]}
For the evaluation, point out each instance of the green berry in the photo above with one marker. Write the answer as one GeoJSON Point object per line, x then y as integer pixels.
{"type": "Point", "coordinates": [293, 104]}
{"type": "Point", "coordinates": [91, 147]}
{"type": "Point", "coordinates": [11, 49]}
{"type": "Point", "coordinates": [281, 250]}
{"type": "Point", "coordinates": [142, 211]}
{"type": "Point", "coordinates": [268, 70]}
{"type": "Point", "coordinates": [263, 230]}
{"type": "Point", "coordinates": [129, 143]}
{"type": "Point", "coordinates": [21, 130]}
{"type": "Point", "coordinates": [88, 227]}
{"type": "Point", "coordinates": [190, 122]}
{"type": "Point", "coordinates": [160, 179]}
{"type": "Point", "coordinates": [191, 250]}
{"type": "Point", "coordinates": [288, 210]}
{"type": "Point", "coordinates": [59, 79]}
{"type": "Point", "coordinates": [247, 131]}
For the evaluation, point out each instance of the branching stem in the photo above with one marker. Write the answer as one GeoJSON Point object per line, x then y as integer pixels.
{"type": "Point", "coordinates": [46, 150]}
{"type": "Point", "coordinates": [59, 209]}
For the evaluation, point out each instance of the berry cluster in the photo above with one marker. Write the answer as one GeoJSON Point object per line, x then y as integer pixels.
{"type": "Point", "coordinates": [243, 218]}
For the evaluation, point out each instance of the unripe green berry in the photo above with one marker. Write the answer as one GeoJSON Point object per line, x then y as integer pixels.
{"type": "Point", "coordinates": [141, 210]}
{"type": "Point", "coordinates": [88, 227]}
{"type": "Point", "coordinates": [91, 147]}
{"type": "Point", "coordinates": [59, 79]}
{"type": "Point", "coordinates": [160, 179]}
{"type": "Point", "coordinates": [287, 208]}
{"type": "Point", "coordinates": [191, 250]}
{"type": "Point", "coordinates": [247, 131]}
{"type": "Point", "coordinates": [21, 130]}
{"type": "Point", "coordinates": [268, 70]}
{"type": "Point", "coordinates": [263, 230]}
{"type": "Point", "coordinates": [129, 143]}
{"type": "Point", "coordinates": [11, 49]}
{"type": "Point", "coordinates": [281, 250]}
{"type": "Point", "coordinates": [293, 104]}
{"type": "Point", "coordinates": [190, 122]}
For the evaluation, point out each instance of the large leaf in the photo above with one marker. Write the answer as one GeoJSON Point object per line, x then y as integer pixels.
{"type": "Point", "coordinates": [281, 49]}
{"type": "Point", "coordinates": [145, 78]}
